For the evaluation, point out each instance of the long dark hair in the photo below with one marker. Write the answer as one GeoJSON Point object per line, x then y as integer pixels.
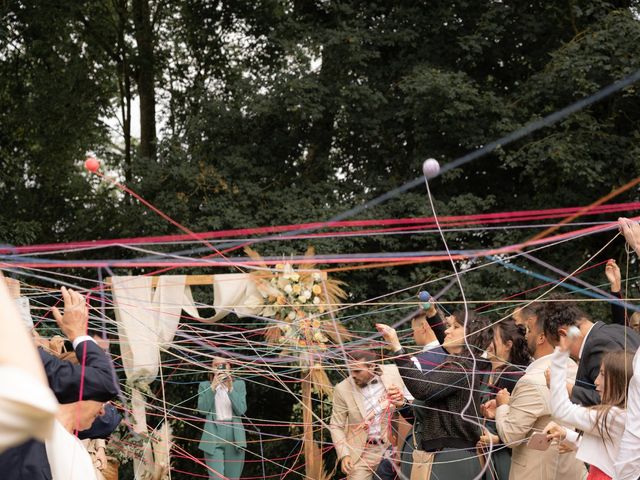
{"type": "Point", "coordinates": [509, 331]}
{"type": "Point", "coordinates": [618, 370]}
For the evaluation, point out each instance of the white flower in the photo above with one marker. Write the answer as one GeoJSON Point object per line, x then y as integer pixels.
{"type": "Point", "coordinates": [292, 315]}
{"type": "Point", "coordinates": [316, 300]}
{"type": "Point", "coordinates": [319, 337]}
{"type": "Point", "coordinates": [295, 277]}
{"type": "Point", "coordinates": [288, 288]}
{"type": "Point", "coordinates": [307, 293]}
{"type": "Point", "coordinates": [303, 299]}
{"type": "Point", "coordinates": [285, 328]}
{"type": "Point", "coordinates": [317, 277]}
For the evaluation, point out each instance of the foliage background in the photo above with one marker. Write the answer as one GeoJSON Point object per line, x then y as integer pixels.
{"type": "Point", "coordinates": [273, 112]}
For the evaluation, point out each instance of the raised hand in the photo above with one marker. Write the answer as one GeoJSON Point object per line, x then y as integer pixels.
{"type": "Point", "coordinates": [76, 314]}
{"type": "Point", "coordinates": [612, 271]}
{"type": "Point", "coordinates": [631, 231]}
{"type": "Point", "coordinates": [390, 335]}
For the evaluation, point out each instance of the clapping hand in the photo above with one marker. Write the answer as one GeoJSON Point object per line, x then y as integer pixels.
{"type": "Point", "coordinates": [488, 409]}
{"type": "Point", "coordinates": [503, 397]}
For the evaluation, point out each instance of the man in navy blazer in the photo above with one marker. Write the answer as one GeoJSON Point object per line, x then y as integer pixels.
{"type": "Point", "coordinates": [592, 342]}
{"type": "Point", "coordinates": [29, 460]}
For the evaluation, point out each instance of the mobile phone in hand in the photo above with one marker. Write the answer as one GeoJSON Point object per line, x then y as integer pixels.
{"type": "Point", "coordinates": [539, 441]}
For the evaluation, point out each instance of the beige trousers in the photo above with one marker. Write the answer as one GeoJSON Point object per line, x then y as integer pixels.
{"type": "Point", "coordinates": [366, 465]}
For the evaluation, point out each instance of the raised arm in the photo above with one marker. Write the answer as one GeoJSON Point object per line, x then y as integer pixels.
{"type": "Point", "coordinates": [440, 382]}
{"type": "Point", "coordinates": [561, 407]}
{"type": "Point", "coordinates": [612, 271]}
{"type": "Point", "coordinates": [437, 322]}
{"type": "Point", "coordinates": [206, 398]}
{"type": "Point", "coordinates": [238, 397]}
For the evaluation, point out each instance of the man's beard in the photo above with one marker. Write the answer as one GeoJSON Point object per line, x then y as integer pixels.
{"type": "Point", "coordinates": [532, 349]}
{"type": "Point", "coordinates": [360, 383]}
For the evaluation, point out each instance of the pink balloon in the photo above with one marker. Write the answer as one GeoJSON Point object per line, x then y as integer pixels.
{"type": "Point", "coordinates": [92, 164]}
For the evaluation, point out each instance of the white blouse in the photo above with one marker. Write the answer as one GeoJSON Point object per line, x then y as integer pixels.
{"type": "Point", "coordinates": [224, 411]}
{"type": "Point", "coordinates": [593, 449]}
{"type": "Point", "coordinates": [68, 458]}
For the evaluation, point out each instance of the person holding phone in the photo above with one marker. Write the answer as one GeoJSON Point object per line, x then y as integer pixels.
{"type": "Point", "coordinates": [526, 411]}
{"type": "Point", "coordinates": [223, 400]}
{"type": "Point", "coordinates": [602, 424]}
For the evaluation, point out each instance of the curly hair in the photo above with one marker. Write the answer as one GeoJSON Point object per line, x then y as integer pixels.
{"type": "Point", "coordinates": [519, 353]}
{"type": "Point", "coordinates": [478, 335]}
{"type": "Point", "coordinates": [557, 314]}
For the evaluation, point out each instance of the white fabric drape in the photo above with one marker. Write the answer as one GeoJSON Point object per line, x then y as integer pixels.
{"type": "Point", "coordinates": [147, 322]}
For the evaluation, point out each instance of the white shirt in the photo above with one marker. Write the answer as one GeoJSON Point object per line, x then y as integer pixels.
{"type": "Point", "coordinates": [426, 348]}
{"type": "Point", "coordinates": [374, 396]}
{"type": "Point", "coordinates": [224, 412]}
{"type": "Point", "coordinates": [68, 458]}
{"type": "Point", "coordinates": [377, 407]}
{"type": "Point", "coordinates": [82, 338]}
{"type": "Point", "coordinates": [593, 448]}
{"type": "Point", "coordinates": [584, 341]}
{"type": "Point", "coordinates": [627, 462]}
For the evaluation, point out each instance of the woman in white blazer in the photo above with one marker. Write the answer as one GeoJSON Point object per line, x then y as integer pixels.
{"type": "Point", "coordinates": [602, 424]}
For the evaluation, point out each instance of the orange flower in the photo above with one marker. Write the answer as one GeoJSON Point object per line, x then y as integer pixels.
{"type": "Point", "coordinates": [317, 289]}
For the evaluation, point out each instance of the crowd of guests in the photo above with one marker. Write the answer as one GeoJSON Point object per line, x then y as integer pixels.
{"type": "Point", "coordinates": [547, 393]}
{"type": "Point", "coordinates": [56, 414]}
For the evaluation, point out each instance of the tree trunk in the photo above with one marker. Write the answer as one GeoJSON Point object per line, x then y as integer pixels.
{"type": "Point", "coordinates": [146, 76]}
{"type": "Point", "coordinates": [124, 87]}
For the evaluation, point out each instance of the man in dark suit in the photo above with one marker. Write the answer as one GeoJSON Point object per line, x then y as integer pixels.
{"type": "Point", "coordinates": [592, 342]}
{"type": "Point", "coordinates": [428, 358]}
{"type": "Point", "coordinates": [29, 460]}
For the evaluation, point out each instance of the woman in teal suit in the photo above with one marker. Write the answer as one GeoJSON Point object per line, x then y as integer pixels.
{"type": "Point", "coordinates": [223, 400]}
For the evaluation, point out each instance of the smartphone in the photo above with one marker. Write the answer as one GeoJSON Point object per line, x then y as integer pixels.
{"type": "Point", "coordinates": [539, 441]}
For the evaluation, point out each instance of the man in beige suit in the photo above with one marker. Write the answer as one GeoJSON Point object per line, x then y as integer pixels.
{"type": "Point", "coordinates": [364, 405]}
{"type": "Point", "coordinates": [528, 411]}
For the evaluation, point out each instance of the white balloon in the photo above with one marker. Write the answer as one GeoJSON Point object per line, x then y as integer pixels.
{"type": "Point", "coordinates": [430, 168]}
